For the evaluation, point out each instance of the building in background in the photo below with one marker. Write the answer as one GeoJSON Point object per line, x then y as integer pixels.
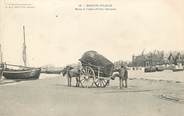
{"type": "Point", "coordinates": [157, 58]}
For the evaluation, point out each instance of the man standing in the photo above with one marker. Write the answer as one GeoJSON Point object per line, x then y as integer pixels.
{"type": "Point", "coordinates": [125, 76]}
{"type": "Point", "coordinates": [122, 74]}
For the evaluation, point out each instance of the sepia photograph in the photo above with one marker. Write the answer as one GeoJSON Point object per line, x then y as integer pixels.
{"type": "Point", "coordinates": [91, 58]}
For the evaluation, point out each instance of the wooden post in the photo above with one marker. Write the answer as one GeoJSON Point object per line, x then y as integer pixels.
{"type": "Point", "coordinates": [98, 72]}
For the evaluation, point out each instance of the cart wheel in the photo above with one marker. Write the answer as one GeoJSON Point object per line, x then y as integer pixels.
{"type": "Point", "coordinates": [87, 76]}
{"type": "Point", "coordinates": [100, 82]}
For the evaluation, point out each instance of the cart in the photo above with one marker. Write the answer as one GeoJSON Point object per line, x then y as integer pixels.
{"type": "Point", "coordinates": [96, 70]}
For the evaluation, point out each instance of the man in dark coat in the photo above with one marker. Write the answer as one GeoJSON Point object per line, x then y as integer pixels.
{"type": "Point", "coordinates": [123, 76]}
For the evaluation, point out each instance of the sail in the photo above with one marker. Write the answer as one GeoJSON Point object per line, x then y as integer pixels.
{"type": "Point", "coordinates": [24, 49]}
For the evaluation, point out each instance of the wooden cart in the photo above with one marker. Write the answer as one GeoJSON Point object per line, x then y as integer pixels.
{"type": "Point", "coordinates": [96, 70]}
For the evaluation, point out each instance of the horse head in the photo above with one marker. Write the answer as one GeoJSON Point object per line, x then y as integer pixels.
{"type": "Point", "coordinates": [66, 69]}
{"type": "Point", "coordinates": [115, 73]}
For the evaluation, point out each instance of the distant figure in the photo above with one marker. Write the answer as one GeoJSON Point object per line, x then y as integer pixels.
{"type": "Point", "coordinates": [122, 74]}
{"type": "Point", "coordinates": [71, 72]}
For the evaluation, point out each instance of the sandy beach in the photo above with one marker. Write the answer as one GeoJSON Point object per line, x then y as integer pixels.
{"type": "Point", "coordinates": [51, 97]}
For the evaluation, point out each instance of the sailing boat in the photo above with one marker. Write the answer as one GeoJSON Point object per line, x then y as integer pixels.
{"type": "Point", "coordinates": [25, 72]}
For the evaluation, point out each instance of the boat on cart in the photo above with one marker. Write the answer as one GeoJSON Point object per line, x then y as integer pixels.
{"type": "Point", "coordinates": [96, 69]}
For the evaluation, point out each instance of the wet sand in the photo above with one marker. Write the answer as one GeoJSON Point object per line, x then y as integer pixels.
{"type": "Point", "coordinates": [51, 97]}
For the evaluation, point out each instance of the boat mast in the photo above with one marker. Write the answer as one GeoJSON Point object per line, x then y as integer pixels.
{"type": "Point", "coordinates": [24, 48]}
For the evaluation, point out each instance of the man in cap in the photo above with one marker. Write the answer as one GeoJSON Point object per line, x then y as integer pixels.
{"type": "Point", "coordinates": [122, 74]}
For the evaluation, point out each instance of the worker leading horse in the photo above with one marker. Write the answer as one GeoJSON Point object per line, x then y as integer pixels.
{"type": "Point", "coordinates": [122, 73]}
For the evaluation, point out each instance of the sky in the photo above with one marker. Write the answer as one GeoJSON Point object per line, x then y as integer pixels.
{"type": "Point", "coordinates": [58, 34]}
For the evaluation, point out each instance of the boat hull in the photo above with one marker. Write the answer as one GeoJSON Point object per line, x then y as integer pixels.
{"type": "Point", "coordinates": [176, 70]}
{"type": "Point", "coordinates": [150, 69]}
{"type": "Point", "coordinates": [159, 69]}
{"type": "Point", "coordinates": [22, 74]}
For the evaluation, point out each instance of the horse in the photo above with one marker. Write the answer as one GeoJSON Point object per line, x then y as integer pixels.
{"type": "Point", "coordinates": [122, 73]}
{"type": "Point", "coordinates": [71, 72]}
